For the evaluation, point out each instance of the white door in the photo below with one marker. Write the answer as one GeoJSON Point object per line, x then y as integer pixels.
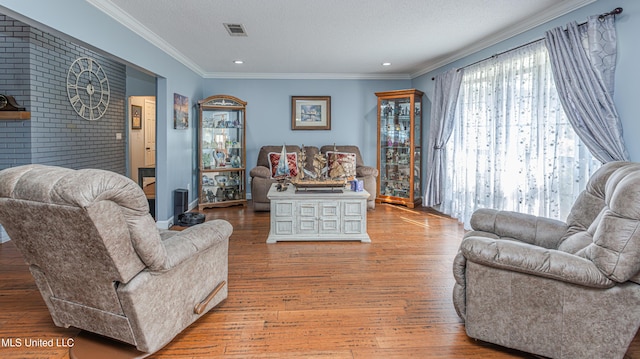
{"type": "Point", "coordinates": [149, 133]}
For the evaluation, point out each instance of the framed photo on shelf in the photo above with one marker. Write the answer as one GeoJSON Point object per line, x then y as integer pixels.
{"type": "Point", "coordinates": [180, 112]}
{"type": "Point", "coordinates": [310, 112]}
{"type": "Point", "coordinates": [136, 117]}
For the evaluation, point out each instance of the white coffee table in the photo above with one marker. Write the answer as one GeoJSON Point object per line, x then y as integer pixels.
{"type": "Point", "coordinates": [318, 216]}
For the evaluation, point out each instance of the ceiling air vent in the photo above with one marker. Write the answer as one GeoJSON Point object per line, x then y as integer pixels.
{"type": "Point", "coordinates": [235, 29]}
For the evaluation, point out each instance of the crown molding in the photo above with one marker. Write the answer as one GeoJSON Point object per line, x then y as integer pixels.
{"type": "Point", "coordinates": [304, 76]}
{"type": "Point", "coordinates": [134, 25]}
{"type": "Point", "coordinates": [549, 14]}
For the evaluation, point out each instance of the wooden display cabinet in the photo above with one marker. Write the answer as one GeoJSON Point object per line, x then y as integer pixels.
{"type": "Point", "coordinates": [221, 152]}
{"type": "Point", "coordinates": [400, 147]}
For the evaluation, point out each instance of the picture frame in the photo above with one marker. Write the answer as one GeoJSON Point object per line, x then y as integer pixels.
{"type": "Point", "coordinates": [136, 117]}
{"type": "Point", "coordinates": [311, 112]}
{"type": "Point", "coordinates": [180, 112]}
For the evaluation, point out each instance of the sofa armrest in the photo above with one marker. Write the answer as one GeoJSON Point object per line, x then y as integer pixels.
{"type": "Point", "coordinates": [260, 171]}
{"type": "Point", "coordinates": [185, 244]}
{"type": "Point", "coordinates": [364, 171]}
{"type": "Point", "coordinates": [540, 231]}
{"type": "Point", "coordinates": [534, 260]}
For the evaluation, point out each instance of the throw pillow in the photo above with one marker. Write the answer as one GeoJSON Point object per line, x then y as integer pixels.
{"type": "Point", "coordinates": [292, 161]}
{"type": "Point", "coordinates": [345, 159]}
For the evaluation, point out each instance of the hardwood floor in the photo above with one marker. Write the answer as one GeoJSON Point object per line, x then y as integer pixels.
{"type": "Point", "coordinates": [387, 299]}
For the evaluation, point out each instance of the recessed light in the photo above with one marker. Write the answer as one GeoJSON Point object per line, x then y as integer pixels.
{"type": "Point", "coordinates": [386, 64]}
{"type": "Point", "coordinates": [238, 62]}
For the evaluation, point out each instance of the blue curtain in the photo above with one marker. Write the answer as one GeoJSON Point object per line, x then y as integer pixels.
{"type": "Point", "coordinates": [583, 61]}
{"type": "Point", "coordinates": [443, 106]}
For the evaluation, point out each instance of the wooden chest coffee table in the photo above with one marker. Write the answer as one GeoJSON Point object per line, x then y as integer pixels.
{"type": "Point", "coordinates": [340, 215]}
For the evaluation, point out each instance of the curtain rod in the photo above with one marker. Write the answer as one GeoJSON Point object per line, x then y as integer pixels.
{"type": "Point", "coordinates": [601, 17]}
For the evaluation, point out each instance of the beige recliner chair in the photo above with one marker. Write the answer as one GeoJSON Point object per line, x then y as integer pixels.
{"type": "Point", "coordinates": [561, 290]}
{"type": "Point", "coordinates": [99, 261]}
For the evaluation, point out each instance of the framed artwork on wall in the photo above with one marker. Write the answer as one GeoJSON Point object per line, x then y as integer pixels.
{"type": "Point", "coordinates": [180, 112]}
{"type": "Point", "coordinates": [136, 117]}
{"type": "Point", "coordinates": [310, 112]}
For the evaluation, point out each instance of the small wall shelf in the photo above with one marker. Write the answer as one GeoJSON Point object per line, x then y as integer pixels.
{"type": "Point", "coordinates": [15, 115]}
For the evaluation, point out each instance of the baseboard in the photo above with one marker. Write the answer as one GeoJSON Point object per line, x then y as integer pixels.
{"type": "Point", "coordinates": [165, 224]}
{"type": "Point", "coordinates": [171, 221]}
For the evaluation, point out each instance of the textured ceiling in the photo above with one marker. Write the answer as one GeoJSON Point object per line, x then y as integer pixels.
{"type": "Point", "coordinates": [328, 38]}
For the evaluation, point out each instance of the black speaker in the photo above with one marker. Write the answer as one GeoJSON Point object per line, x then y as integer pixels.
{"type": "Point", "coordinates": [180, 202]}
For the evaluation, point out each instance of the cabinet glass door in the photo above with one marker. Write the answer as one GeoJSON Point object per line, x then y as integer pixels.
{"type": "Point", "coordinates": [222, 153]}
{"type": "Point", "coordinates": [400, 147]}
{"type": "Point", "coordinates": [417, 148]}
{"type": "Point", "coordinates": [395, 147]}
{"type": "Point", "coordinates": [222, 139]}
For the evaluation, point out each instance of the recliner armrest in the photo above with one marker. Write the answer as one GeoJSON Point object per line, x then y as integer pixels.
{"type": "Point", "coordinates": [540, 231]}
{"type": "Point", "coordinates": [364, 171]}
{"type": "Point", "coordinates": [260, 171]}
{"type": "Point", "coordinates": [192, 240]}
{"type": "Point", "coordinates": [534, 260]}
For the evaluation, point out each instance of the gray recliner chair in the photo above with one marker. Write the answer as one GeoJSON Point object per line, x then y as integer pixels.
{"type": "Point", "coordinates": [99, 261]}
{"type": "Point", "coordinates": [560, 290]}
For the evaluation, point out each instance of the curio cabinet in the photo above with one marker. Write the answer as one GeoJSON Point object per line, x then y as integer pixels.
{"type": "Point", "coordinates": [400, 147]}
{"type": "Point", "coordinates": [221, 152]}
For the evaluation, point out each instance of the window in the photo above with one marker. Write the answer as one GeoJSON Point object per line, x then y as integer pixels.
{"type": "Point", "coordinates": [512, 147]}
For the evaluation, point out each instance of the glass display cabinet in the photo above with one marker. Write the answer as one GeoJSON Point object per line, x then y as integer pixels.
{"type": "Point", "coordinates": [400, 147]}
{"type": "Point", "coordinates": [221, 152]}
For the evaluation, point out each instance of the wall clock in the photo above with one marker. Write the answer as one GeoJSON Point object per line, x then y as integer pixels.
{"type": "Point", "coordinates": [88, 88]}
{"type": "Point", "coordinates": [8, 103]}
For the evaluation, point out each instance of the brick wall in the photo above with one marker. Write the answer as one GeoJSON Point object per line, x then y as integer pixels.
{"type": "Point", "coordinates": [15, 136]}
{"type": "Point", "coordinates": [37, 63]}
{"type": "Point", "coordinates": [59, 136]}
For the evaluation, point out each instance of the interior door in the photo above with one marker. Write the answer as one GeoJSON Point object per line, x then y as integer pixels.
{"type": "Point", "coordinates": [149, 133]}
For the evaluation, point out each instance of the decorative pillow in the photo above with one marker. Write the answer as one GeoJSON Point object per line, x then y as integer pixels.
{"type": "Point", "coordinates": [292, 161]}
{"type": "Point", "coordinates": [346, 159]}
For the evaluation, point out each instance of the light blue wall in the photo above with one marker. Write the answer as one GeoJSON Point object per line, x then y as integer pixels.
{"type": "Point", "coordinates": [627, 71]}
{"type": "Point", "coordinates": [353, 111]}
{"type": "Point", "coordinates": [140, 83]}
{"type": "Point", "coordinates": [83, 23]}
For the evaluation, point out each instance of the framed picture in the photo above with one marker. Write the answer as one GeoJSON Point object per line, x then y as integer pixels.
{"type": "Point", "coordinates": [180, 112]}
{"type": "Point", "coordinates": [310, 112]}
{"type": "Point", "coordinates": [136, 117]}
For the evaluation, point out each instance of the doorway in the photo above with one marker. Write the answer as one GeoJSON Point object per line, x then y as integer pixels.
{"type": "Point", "coordinates": [142, 145]}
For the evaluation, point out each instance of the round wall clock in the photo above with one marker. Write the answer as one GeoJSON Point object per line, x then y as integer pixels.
{"type": "Point", "coordinates": [88, 88]}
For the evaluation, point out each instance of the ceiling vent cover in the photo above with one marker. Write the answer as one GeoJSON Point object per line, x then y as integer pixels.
{"type": "Point", "coordinates": [235, 29]}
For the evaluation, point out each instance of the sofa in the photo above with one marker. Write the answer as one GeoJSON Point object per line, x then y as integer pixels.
{"type": "Point", "coordinates": [557, 289]}
{"type": "Point", "coordinates": [262, 179]}
{"type": "Point", "coordinates": [99, 261]}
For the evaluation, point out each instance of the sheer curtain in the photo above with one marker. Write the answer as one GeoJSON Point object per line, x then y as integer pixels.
{"type": "Point", "coordinates": [512, 147]}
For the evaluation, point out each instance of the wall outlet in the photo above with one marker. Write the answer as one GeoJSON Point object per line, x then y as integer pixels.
{"type": "Point", "coordinates": [189, 187]}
